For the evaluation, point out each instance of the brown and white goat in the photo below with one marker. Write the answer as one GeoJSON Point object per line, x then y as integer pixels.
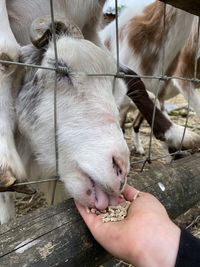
{"type": "Point", "coordinates": [141, 38]}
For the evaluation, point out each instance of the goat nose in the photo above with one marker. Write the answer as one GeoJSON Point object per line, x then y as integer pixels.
{"type": "Point", "coordinates": [120, 170]}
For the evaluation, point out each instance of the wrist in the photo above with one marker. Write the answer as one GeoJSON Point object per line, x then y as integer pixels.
{"type": "Point", "coordinates": [160, 248]}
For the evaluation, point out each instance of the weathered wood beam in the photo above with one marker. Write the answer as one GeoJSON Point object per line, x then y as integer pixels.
{"type": "Point", "coordinates": [58, 237]}
{"type": "Point", "coordinates": [192, 7]}
{"type": "Point", "coordinates": [54, 237]}
{"type": "Point", "coordinates": [180, 179]}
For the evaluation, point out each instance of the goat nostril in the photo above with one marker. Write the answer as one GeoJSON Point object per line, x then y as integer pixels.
{"type": "Point", "coordinates": [121, 186]}
{"type": "Point", "coordinates": [89, 192]}
{"type": "Point", "coordinates": [116, 167]}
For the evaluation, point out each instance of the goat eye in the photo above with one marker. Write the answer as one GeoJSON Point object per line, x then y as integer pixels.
{"type": "Point", "coordinates": [64, 72]}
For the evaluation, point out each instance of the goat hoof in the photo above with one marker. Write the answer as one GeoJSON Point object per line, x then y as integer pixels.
{"type": "Point", "coordinates": [6, 68]}
{"type": "Point", "coordinates": [6, 179]}
{"type": "Point", "coordinates": [8, 184]}
{"type": "Point", "coordinates": [138, 151]}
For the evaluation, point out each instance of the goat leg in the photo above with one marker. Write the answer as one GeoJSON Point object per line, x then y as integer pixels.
{"type": "Point", "coordinates": [24, 189]}
{"type": "Point", "coordinates": [163, 128]}
{"type": "Point", "coordinates": [136, 135]}
{"type": "Point", "coordinates": [138, 94]}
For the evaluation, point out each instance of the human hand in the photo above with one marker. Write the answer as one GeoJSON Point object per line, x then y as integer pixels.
{"type": "Point", "coordinates": [145, 238]}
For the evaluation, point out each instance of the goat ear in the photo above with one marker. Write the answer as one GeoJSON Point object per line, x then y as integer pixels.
{"type": "Point", "coordinates": [41, 30]}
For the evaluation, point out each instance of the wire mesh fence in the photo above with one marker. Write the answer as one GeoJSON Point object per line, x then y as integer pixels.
{"type": "Point", "coordinates": [118, 75]}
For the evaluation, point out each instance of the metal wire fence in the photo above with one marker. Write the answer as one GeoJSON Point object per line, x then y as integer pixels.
{"type": "Point", "coordinates": [118, 74]}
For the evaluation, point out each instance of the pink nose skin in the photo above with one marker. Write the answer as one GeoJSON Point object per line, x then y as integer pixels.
{"type": "Point", "coordinates": [120, 171]}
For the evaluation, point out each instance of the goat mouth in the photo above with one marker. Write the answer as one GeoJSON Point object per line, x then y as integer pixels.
{"type": "Point", "coordinates": [101, 198]}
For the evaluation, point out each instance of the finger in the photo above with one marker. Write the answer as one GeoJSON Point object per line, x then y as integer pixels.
{"type": "Point", "coordinates": [130, 193]}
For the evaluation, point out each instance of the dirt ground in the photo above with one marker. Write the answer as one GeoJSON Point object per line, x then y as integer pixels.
{"type": "Point", "coordinates": [190, 219]}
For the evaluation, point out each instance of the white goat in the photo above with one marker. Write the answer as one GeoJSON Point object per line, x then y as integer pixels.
{"type": "Point", "coordinates": [141, 37]}
{"type": "Point", "coordinates": [93, 155]}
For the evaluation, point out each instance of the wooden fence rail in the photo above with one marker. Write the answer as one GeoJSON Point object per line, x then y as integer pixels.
{"type": "Point", "coordinates": [58, 237]}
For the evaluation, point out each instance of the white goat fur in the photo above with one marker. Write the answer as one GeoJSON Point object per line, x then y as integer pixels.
{"type": "Point", "coordinates": [93, 155]}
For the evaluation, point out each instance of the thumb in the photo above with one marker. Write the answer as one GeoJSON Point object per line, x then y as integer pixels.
{"type": "Point", "coordinates": [92, 220]}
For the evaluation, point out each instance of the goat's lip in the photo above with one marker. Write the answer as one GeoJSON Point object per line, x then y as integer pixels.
{"type": "Point", "coordinates": [103, 199]}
